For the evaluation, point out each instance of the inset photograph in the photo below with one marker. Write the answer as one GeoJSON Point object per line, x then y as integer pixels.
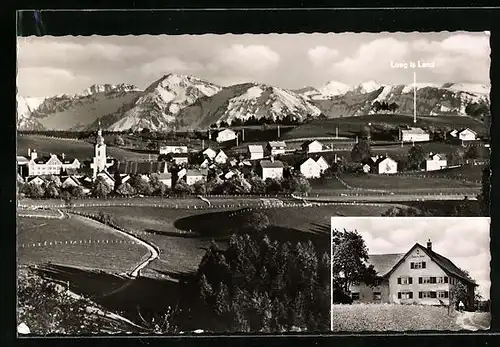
{"type": "Point", "coordinates": [410, 274]}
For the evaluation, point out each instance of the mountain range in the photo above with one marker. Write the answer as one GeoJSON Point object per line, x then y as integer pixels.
{"type": "Point", "coordinates": [180, 102]}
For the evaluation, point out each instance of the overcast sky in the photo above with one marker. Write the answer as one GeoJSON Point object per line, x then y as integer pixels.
{"type": "Point", "coordinates": [54, 65]}
{"type": "Point", "coordinates": [465, 241]}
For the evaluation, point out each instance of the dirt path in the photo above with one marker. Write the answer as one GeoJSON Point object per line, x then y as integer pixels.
{"type": "Point", "coordinates": [465, 320]}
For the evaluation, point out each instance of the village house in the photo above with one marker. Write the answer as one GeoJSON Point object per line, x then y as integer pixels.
{"type": "Point", "coordinates": [205, 164]}
{"type": "Point", "coordinates": [384, 165]}
{"type": "Point", "coordinates": [107, 177]}
{"type": "Point", "coordinates": [414, 135]}
{"type": "Point", "coordinates": [255, 152]}
{"type": "Point", "coordinates": [276, 147]}
{"type": "Point", "coordinates": [310, 169]}
{"type": "Point", "coordinates": [180, 158]}
{"type": "Point", "coordinates": [209, 153]}
{"type": "Point", "coordinates": [221, 157]}
{"type": "Point", "coordinates": [420, 276]}
{"type": "Point", "coordinates": [323, 164]}
{"type": "Point", "coordinates": [166, 149]}
{"type": "Point", "coordinates": [165, 178]}
{"type": "Point", "coordinates": [271, 169]}
{"type": "Point", "coordinates": [435, 162]}
{"type": "Point", "coordinates": [225, 135]}
{"type": "Point", "coordinates": [366, 168]}
{"type": "Point", "coordinates": [36, 180]}
{"type": "Point", "coordinates": [194, 175]}
{"type": "Point", "coordinates": [467, 135]}
{"type": "Point", "coordinates": [312, 147]}
{"type": "Point", "coordinates": [453, 133]}
{"type": "Point", "coordinates": [70, 181]}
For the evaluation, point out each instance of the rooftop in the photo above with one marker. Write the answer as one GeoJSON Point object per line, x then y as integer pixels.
{"type": "Point", "coordinates": [271, 164]}
{"type": "Point", "coordinates": [414, 131]}
{"type": "Point", "coordinates": [277, 143]}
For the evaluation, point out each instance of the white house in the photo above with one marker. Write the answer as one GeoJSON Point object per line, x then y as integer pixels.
{"type": "Point", "coordinates": [36, 180]}
{"type": "Point", "coordinates": [271, 169]}
{"type": "Point", "coordinates": [173, 149]}
{"type": "Point", "coordinates": [453, 133]}
{"type": "Point", "coordinates": [310, 169]}
{"type": "Point", "coordinates": [414, 135]}
{"type": "Point", "coordinates": [323, 164]}
{"type": "Point", "coordinates": [366, 168]}
{"type": "Point", "coordinates": [420, 276]}
{"type": "Point", "coordinates": [221, 157]}
{"type": "Point", "coordinates": [276, 147]}
{"type": "Point", "coordinates": [106, 176]}
{"type": "Point", "coordinates": [180, 158]}
{"type": "Point", "coordinates": [193, 176]}
{"type": "Point", "coordinates": [70, 181]}
{"type": "Point", "coordinates": [467, 135]}
{"type": "Point", "coordinates": [435, 162]}
{"type": "Point", "coordinates": [205, 163]}
{"type": "Point", "coordinates": [255, 152]}
{"type": "Point", "coordinates": [385, 165]}
{"type": "Point", "coordinates": [312, 146]}
{"type": "Point", "coordinates": [226, 135]}
{"type": "Point", "coordinates": [181, 173]}
{"type": "Point", "coordinates": [209, 153]}
{"type": "Point", "coordinates": [165, 178]}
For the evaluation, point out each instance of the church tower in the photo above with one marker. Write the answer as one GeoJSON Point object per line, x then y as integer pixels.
{"type": "Point", "coordinates": [99, 161]}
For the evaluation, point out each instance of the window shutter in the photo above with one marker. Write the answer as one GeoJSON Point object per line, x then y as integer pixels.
{"type": "Point", "coordinates": [412, 265]}
{"type": "Point", "coordinates": [410, 280]}
{"type": "Point", "coordinates": [399, 281]}
{"type": "Point", "coordinates": [411, 295]}
{"type": "Point", "coordinates": [420, 295]}
{"type": "Point", "coordinates": [420, 280]}
{"type": "Point", "coordinates": [423, 265]}
{"type": "Point", "coordinates": [445, 279]}
{"type": "Point", "coordinates": [399, 295]}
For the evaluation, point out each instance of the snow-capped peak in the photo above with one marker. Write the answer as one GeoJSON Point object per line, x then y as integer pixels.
{"type": "Point", "coordinates": [334, 88]}
{"type": "Point", "coordinates": [367, 87]}
{"type": "Point", "coordinates": [471, 88]}
{"type": "Point", "coordinates": [105, 88]}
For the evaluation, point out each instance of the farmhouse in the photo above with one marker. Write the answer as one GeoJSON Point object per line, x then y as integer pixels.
{"type": "Point", "coordinates": [193, 176]}
{"type": "Point", "coordinates": [414, 135]}
{"type": "Point", "coordinates": [173, 149]}
{"type": "Point", "coordinates": [209, 153]}
{"type": "Point", "coordinates": [467, 135]}
{"type": "Point", "coordinates": [276, 147]}
{"type": "Point", "coordinates": [180, 158]}
{"type": "Point", "coordinates": [221, 157]}
{"type": "Point", "coordinates": [435, 162]}
{"type": "Point", "coordinates": [226, 135]}
{"type": "Point", "coordinates": [36, 180]}
{"type": "Point", "coordinates": [323, 164]}
{"type": "Point", "coordinates": [271, 169]}
{"type": "Point", "coordinates": [312, 146]}
{"type": "Point", "coordinates": [384, 165]}
{"type": "Point", "coordinates": [255, 152]}
{"type": "Point", "coordinates": [70, 181]}
{"type": "Point", "coordinates": [310, 169]}
{"type": "Point", "coordinates": [420, 276]}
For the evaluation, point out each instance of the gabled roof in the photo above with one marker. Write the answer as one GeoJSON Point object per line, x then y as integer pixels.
{"type": "Point", "coordinates": [31, 179]}
{"type": "Point", "coordinates": [444, 263]}
{"type": "Point", "coordinates": [22, 160]}
{"type": "Point", "coordinates": [467, 129]}
{"type": "Point", "coordinates": [414, 131]}
{"type": "Point", "coordinates": [321, 158]}
{"type": "Point", "coordinates": [255, 149]}
{"type": "Point", "coordinates": [441, 156]}
{"type": "Point", "coordinates": [74, 179]}
{"type": "Point", "coordinates": [105, 173]}
{"type": "Point", "coordinates": [381, 159]}
{"type": "Point", "coordinates": [271, 164]}
{"type": "Point", "coordinates": [67, 160]}
{"type": "Point", "coordinates": [307, 143]}
{"type": "Point", "coordinates": [310, 160]}
{"type": "Point", "coordinates": [226, 131]}
{"type": "Point", "coordinates": [221, 153]}
{"type": "Point", "coordinates": [277, 144]}
{"type": "Point", "coordinates": [383, 263]}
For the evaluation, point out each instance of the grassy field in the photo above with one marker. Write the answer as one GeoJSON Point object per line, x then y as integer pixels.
{"type": "Point", "coordinates": [466, 172]}
{"type": "Point", "coordinates": [389, 317]}
{"type": "Point", "coordinates": [74, 242]}
{"type": "Point", "coordinates": [395, 183]}
{"type": "Point", "coordinates": [347, 126]}
{"type": "Point", "coordinates": [71, 148]}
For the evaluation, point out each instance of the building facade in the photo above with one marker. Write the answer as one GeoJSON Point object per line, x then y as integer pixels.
{"type": "Point", "coordinates": [51, 165]}
{"type": "Point", "coordinates": [255, 152]}
{"type": "Point", "coordinates": [310, 169]}
{"type": "Point", "coordinates": [312, 146]}
{"type": "Point", "coordinates": [414, 135]}
{"type": "Point", "coordinates": [467, 135]}
{"type": "Point", "coordinates": [173, 149]}
{"type": "Point", "coordinates": [276, 147]}
{"type": "Point", "coordinates": [209, 153]}
{"type": "Point", "coordinates": [420, 276]}
{"type": "Point", "coordinates": [221, 157]}
{"type": "Point", "coordinates": [271, 169]}
{"type": "Point", "coordinates": [385, 165]}
{"type": "Point", "coordinates": [323, 164]}
{"type": "Point", "coordinates": [435, 162]}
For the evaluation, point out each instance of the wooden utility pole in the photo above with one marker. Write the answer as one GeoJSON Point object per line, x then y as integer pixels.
{"type": "Point", "coordinates": [337, 132]}
{"type": "Point", "coordinates": [278, 131]}
{"type": "Point", "coordinates": [243, 135]}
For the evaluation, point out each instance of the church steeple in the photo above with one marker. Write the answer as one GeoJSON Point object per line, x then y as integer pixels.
{"type": "Point", "coordinates": [99, 139]}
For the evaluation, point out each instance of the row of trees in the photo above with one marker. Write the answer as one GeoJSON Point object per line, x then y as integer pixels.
{"type": "Point", "coordinates": [378, 106]}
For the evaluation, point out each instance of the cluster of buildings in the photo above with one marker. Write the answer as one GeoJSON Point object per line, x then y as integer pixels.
{"type": "Point", "coordinates": [419, 276]}
{"type": "Point", "coordinates": [413, 134]}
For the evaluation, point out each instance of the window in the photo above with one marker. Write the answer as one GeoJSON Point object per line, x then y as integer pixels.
{"type": "Point", "coordinates": [442, 294]}
{"type": "Point", "coordinates": [355, 296]}
{"type": "Point", "coordinates": [377, 296]}
{"type": "Point", "coordinates": [405, 295]}
{"type": "Point", "coordinates": [423, 295]}
{"type": "Point", "coordinates": [442, 279]}
{"type": "Point", "coordinates": [426, 280]}
{"type": "Point", "coordinates": [405, 280]}
{"type": "Point", "coordinates": [417, 265]}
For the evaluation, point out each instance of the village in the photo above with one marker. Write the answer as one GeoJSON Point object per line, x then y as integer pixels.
{"type": "Point", "coordinates": [252, 169]}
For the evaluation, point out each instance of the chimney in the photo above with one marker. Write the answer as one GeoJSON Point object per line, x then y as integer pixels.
{"type": "Point", "coordinates": [429, 245]}
{"type": "Point", "coordinates": [29, 152]}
